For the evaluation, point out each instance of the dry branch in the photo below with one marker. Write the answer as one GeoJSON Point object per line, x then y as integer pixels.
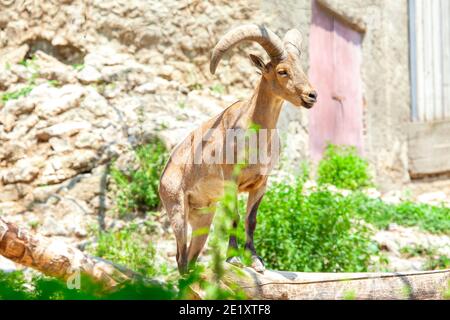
{"type": "Point", "coordinates": [57, 259]}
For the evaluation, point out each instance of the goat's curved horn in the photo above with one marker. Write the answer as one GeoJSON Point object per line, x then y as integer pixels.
{"type": "Point", "coordinates": [293, 41]}
{"type": "Point", "coordinates": [250, 32]}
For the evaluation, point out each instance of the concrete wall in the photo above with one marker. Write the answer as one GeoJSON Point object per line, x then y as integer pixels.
{"type": "Point", "coordinates": [385, 73]}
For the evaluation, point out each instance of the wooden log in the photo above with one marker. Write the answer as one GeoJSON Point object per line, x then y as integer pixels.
{"type": "Point", "coordinates": [280, 285]}
{"type": "Point", "coordinates": [56, 259]}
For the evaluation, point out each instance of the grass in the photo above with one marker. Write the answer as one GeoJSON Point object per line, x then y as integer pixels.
{"type": "Point", "coordinates": [137, 189]}
{"type": "Point", "coordinates": [130, 247]}
{"type": "Point", "coordinates": [14, 286]}
{"type": "Point", "coordinates": [14, 95]}
{"type": "Point", "coordinates": [78, 66]}
{"type": "Point", "coordinates": [434, 260]}
{"type": "Point", "coordinates": [218, 88]}
{"type": "Point", "coordinates": [434, 219]}
{"type": "Point", "coordinates": [25, 91]}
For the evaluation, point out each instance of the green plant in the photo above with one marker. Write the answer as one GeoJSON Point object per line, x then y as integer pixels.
{"type": "Point", "coordinates": [34, 224]}
{"type": "Point", "coordinates": [218, 88]}
{"type": "Point", "coordinates": [415, 251]}
{"type": "Point", "coordinates": [437, 262]}
{"type": "Point", "coordinates": [14, 95]}
{"type": "Point", "coordinates": [54, 83]}
{"type": "Point", "coordinates": [129, 246]}
{"type": "Point", "coordinates": [138, 189]}
{"type": "Point", "coordinates": [314, 233]}
{"type": "Point", "coordinates": [342, 167]}
{"type": "Point", "coordinates": [435, 219]}
{"type": "Point", "coordinates": [446, 294]}
{"type": "Point", "coordinates": [13, 286]}
{"type": "Point", "coordinates": [78, 66]}
{"type": "Point", "coordinates": [30, 62]}
{"type": "Point", "coordinates": [195, 86]}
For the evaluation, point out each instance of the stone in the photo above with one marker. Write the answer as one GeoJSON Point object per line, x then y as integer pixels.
{"type": "Point", "coordinates": [88, 75]}
{"type": "Point", "coordinates": [9, 193]}
{"type": "Point", "coordinates": [51, 68]}
{"type": "Point", "coordinates": [90, 140]}
{"type": "Point", "coordinates": [56, 170]}
{"type": "Point", "coordinates": [166, 72]}
{"type": "Point", "coordinates": [88, 187]}
{"type": "Point", "coordinates": [13, 55]}
{"type": "Point", "coordinates": [63, 129]}
{"type": "Point", "coordinates": [43, 193]}
{"type": "Point", "coordinates": [147, 88]}
{"type": "Point", "coordinates": [203, 104]}
{"type": "Point", "coordinates": [432, 197]}
{"type": "Point", "coordinates": [83, 160]}
{"type": "Point", "coordinates": [60, 145]}
{"type": "Point", "coordinates": [22, 173]}
{"type": "Point", "coordinates": [12, 208]}
{"type": "Point", "coordinates": [7, 79]}
{"type": "Point", "coordinates": [60, 100]}
{"type": "Point", "coordinates": [95, 103]}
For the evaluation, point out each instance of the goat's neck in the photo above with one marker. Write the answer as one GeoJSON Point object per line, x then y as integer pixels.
{"type": "Point", "coordinates": [265, 106]}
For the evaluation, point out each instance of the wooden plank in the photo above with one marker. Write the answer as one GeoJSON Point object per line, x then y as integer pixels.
{"type": "Point", "coordinates": [413, 57]}
{"type": "Point", "coordinates": [445, 20]}
{"type": "Point", "coordinates": [420, 64]}
{"type": "Point", "coordinates": [428, 60]}
{"type": "Point", "coordinates": [429, 147]}
{"type": "Point", "coordinates": [437, 59]}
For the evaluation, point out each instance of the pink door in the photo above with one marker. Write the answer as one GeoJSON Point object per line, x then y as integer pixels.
{"type": "Point", "coordinates": [335, 54]}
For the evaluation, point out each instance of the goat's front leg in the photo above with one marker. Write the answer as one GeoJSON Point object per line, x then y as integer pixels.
{"type": "Point", "coordinates": [254, 199]}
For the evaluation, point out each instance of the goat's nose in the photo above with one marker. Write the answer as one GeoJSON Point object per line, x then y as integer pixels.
{"type": "Point", "coordinates": [313, 95]}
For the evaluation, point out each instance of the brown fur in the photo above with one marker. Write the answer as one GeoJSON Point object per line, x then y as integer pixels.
{"type": "Point", "coordinates": [189, 192]}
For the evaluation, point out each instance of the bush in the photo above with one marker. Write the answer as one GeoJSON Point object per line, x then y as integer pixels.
{"type": "Point", "coordinates": [342, 167]}
{"type": "Point", "coordinates": [138, 189]}
{"type": "Point", "coordinates": [314, 233]}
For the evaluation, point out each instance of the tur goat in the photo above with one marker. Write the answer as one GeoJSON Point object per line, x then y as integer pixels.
{"type": "Point", "coordinates": [189, 189]}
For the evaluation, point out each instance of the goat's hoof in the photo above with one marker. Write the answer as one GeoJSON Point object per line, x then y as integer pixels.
{"type": "Point", "coordinates": [258, 264]}
{"type": "Point", "coordinates": [235, 261]}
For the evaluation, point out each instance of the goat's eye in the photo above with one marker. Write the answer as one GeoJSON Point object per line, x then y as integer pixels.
{"type": "Point", "coordinates": [282, 73]}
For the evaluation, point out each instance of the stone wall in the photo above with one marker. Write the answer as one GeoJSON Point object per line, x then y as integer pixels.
{"type": "Point", "coordinates": [105, 77]}
{"type": "Point", "coordinates": [145, 72]}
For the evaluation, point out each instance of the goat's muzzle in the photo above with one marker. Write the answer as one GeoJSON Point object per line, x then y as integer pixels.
{"type": "Point", "coordinates": [309, 99]}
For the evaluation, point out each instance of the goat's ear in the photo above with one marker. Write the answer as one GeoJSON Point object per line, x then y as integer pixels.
{"type": "Point", "coordinates": [259, 63]}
